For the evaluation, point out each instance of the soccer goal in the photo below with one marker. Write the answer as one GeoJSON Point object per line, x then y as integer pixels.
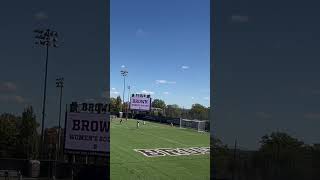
{"type": "Point", "coordinates": [193, 124]}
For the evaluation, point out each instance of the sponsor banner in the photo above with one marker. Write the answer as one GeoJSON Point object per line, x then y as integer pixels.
{"type": "Point", "coordinates": [142, 103]}
{"type": "Point", "coordinates": [174, 151]}
{"type": "Point", "coordinates": [87, 132]}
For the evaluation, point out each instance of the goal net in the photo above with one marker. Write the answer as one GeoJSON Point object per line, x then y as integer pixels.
{"type": "Point", "coordinates": [198, 125]}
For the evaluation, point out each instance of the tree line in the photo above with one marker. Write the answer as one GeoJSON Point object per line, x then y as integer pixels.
{"type": "Point", "coordinates": [18, 134]}
{"type": "Point", "coordinates": [197, 110]}
{"type": "Point", "coordinates": [280, 156]}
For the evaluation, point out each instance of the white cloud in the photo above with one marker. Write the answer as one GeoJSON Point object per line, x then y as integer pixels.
{"type": "Point", "coordinates": [19, 99]}
{"type": "Point", "coordinates": [113, 93]}
{"type": "Point", "coordinates": [166, 93]}
{"type": "Point", "coordinates": [12, 98]}
{"type": "Point", "coordinates": [185, 67]}
{"type": "Point", "coordinates": [192, 97]}
{"type": "Point", "coordinates": [8, 87]}
{"type": "Point", "coordinates": [40, 15]}
{"type": "Point", "coordinates": [140, 32]}
{"type": "Point", "coordinates": [147, 92]}
{"type": "Point", "coordinates": [113, 89]}
{"type": "Point", "coordinates": [123, 66]}
{"type": "Point", "coordinates": [312, 116]}
{"type": "Point", "coordinates": [239, 18]}
{"type": "Point", "coordinates": [165, 82]}
{"type": "Point", "coordinates": [161, 81]}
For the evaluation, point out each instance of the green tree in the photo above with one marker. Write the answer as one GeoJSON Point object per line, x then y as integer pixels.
{"type": "Point", "coordinates": [185, 113]}
{"type": "Point", "coordinates": [316, 160]}
{"type": "Point", "coordinates": [198, 111]}
{"type": "Point", "coordinates": [222, 157]}
{"type": "Point", "coordinates": [173, 111]}
{"type": "Point", "coordinates": [118, 104]}
{"type": "Point", "coordinates": [158, 103]}
{"type": "Point", "coordinates": [125, 107]}
{"type": "Point", "coordinates": [28, 133]}
{"type": "Point", "coordinates": [284, 152]}
{"type": "Point", "coordinates": [113, 105]}
{"type": "Point", "coordinates": [8, 134]}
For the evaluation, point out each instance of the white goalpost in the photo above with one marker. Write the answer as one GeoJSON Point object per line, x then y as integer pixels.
{"type": "Point", "coordinates": [193, 124]}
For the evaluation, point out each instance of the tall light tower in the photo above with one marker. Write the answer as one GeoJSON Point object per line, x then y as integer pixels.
{"type": "Point", "coordinates": [45, 38]}
{"type": "Point", "coordinates": [128, 102]}
{"type": "Point", "coordinates": [59, 83]}
{"type": "Point", "coordinates": [124, 73]}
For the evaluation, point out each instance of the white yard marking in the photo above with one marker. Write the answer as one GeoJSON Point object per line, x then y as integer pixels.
{"type": "Point", "coordinates": [159, 152]}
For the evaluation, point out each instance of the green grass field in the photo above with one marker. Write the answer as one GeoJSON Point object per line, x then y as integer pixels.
{"type": "Point", "coordinates": [129, 164]}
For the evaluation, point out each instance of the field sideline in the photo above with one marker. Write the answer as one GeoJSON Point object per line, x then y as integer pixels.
{"type": "Point", "coordinates": [129, 164]}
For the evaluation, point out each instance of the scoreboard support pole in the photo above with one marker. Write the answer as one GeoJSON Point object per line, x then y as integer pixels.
{"type": "Point", "coordinates": [72, 169]}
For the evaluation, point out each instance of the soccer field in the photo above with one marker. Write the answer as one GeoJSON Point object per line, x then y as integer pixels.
{"type": "Point", "coordinates": [126, 163]}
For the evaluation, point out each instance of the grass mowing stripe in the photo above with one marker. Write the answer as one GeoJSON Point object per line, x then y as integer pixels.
{"type": "Point", "coordinates": [128, 164]}
{"type": "Point", "coordinates": [166, 139]}
{"type": "Point", "coordinates": [146, 160]}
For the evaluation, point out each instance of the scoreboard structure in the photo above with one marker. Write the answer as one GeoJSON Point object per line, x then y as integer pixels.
{"type": "Point", "coordinates": [140, 102]}
{"type": "Point", "coordinates": [87, 129]}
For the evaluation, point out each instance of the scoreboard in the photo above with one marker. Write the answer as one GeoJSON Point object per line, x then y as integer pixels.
{"type": "Point", "coordinates": [140, 102]}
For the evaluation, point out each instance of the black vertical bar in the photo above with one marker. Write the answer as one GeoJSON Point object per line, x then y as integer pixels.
{"type": "Point", "coordinates": [234, 159]}
{"type": "Point", "coordinates": [65, 125]}
{"type": "Point", "coordinates": [108, 68]}
{"type": "Point", "coordinates": [212, 87]}
{"type": "Point", "coordinates": [44, 102]}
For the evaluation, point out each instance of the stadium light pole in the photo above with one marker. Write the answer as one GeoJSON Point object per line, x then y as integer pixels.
{"type": "Point", "coordinates": [128, 102]}
{"type": "Point", "coordinates": [59, 84]}
{"type": "Point", "coordinates": [124, 73]}
{"type": "Point", "coordinates": [45, 38]}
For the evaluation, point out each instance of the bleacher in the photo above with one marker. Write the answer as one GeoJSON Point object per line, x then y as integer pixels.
{"type": "Point", "coordinates": [10, 175]}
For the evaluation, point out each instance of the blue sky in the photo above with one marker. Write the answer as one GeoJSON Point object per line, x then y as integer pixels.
{"type": "Point", "coordinates": [165, 47]}
{"type": "Point", "coordinates": [267, 56]}
{"type": "Point", "coordinates": [80, 59]}
{"type": "Point", "coordinates": [267, 69]}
